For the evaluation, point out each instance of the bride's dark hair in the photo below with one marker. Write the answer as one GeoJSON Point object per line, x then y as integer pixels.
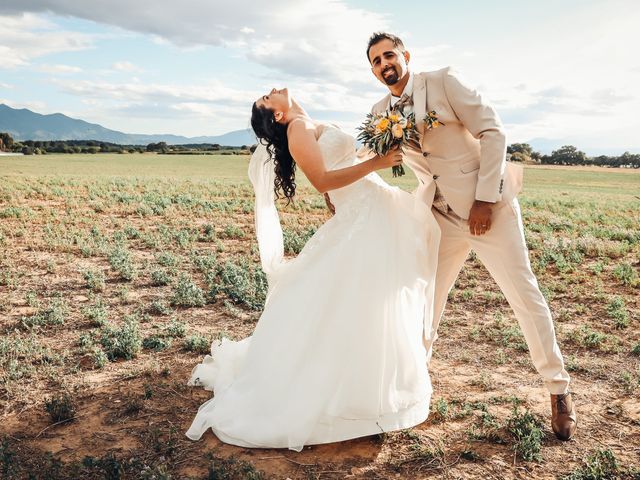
{"type": "Point", "coordinates": [274, 136]}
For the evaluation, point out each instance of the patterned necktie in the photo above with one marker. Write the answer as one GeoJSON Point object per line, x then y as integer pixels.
{"type": "Point", "coordinates": [405, 101]}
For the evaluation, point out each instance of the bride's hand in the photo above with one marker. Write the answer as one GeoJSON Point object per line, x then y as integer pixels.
{"type": "Point", "coordinates": [391, 159]}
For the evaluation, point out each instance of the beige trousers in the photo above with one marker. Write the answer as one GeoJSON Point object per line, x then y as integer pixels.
{"type": "Point", "coordinates": [504, 253]}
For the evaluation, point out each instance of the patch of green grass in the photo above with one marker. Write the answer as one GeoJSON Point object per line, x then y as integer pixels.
{"type": "Point", "coordinates": [197, 343]}
{"type": "Point", "coordinates": [121, 262]}
{"type": "Point", "coordinates": [97, 313]}
{"type": "Point", "coordinates": [186, 293]}
{"type": "Point", "coordinates": [123, 342]}
{"type": "Point", "coordinates": [175, 329]}
{"type": "Point", "coordinates": [94, 280]}
{"type": "Point", "coordinates": [626, 274]}
{"type": "Point", "coordinates": [243, 283]}
{"type": "Point", "coordinates": [527, 431]}
{"type": "Point", "coordinates": [53, 314]}
{"type": "Point", "coordinates": [160, 277]}
{"type": "Point", "coordinates": [156, 342]}
{"type": "Point", "coordinates": [617, 310]}
{"type": "Point", "coordinates": [600, 465]}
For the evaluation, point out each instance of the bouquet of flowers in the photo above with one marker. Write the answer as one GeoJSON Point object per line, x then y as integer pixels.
{"type": "Point", "coordinates": [383, 131]}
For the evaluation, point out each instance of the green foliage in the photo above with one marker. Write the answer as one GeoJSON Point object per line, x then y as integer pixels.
{"type": "Point", "coordinates": [121, 262]}
{"type": "Point", "coordinates": [175, 329]}
{"type": "Point", "coordinates": [95, 280]}
{"type": "Point", "coordinates": [60, 408]}
{"type": "Point", "coordinates": [187, 294]}
{"type": "Point", "coordinates": [232, 231]}
{"type": "Point", "coordinates": [123, 342]}
{"type": "Point", "coordinates": [618, 311]}
{"type": "Point", "coordinates": [527, 430]}
{"type": "Point", "coordinates": [626, 274]}
{"type": "Point", "coordinates": [197, 343]}
{"type": "Point", "coordinates": [160, 277]}
{"type": "Point", "coordinates": [232, 469]}
{"type": "Point", "coordinates": [156, 342]}
{"type": "Point", "coordinates": [53, 314]}
{"type": "Point", "coordinates": [295, 240]}
{"type": "Point", "coordinates": [600, 465]}
{"type": "Point", "coordinates": [243, 283]}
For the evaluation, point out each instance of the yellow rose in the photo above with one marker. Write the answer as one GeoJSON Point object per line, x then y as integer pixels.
{"type": "Point", "coordinates": [382, 126]}
{"type": "Point", "coordinates": [436, 124]}
{"type": "Point", "coordinates": [394, 117]}
{"type": "Point", "coordinates": [397, 131]}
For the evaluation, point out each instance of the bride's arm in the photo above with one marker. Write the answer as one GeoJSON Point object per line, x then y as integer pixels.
{"type": "Point", "coordinates": [306, 152]}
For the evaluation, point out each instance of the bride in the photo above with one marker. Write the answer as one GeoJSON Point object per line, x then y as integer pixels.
{"type": "Point", "coordinates": [337, 352]}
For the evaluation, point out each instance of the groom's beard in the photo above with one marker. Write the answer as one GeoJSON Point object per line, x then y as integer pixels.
{"type": "Point", "coordinates": [392, 78]}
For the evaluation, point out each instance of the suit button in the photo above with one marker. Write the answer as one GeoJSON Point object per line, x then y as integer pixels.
{"type": "Point", "coordinates": [435, 177]}
{"type": "Point", "coordinates": [425, 154]}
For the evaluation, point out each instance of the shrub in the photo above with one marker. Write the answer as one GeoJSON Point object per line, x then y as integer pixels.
{"type": "Point", "coordinates": [96, 313]}
{"type": "Point", "coordinates": [160, 278]}
{"type": "Point", "coordinates": [156, 342]}
{"type": "Point", "coordinates": [626, 274]}
{"type": "Point", "coordinates": [294, 241]}
{"type": "Point", "coordinates": [95, 280]}
{"type": "Point", "coordinates": [122, 263]}
{"type": "Point", "coordinates": [600, 465]}
{"type": "Point", "coordinates": [60, 408]}
{"type": "Point", "coordinates": [243, 284]}
{"type": "Point", "coordinates": [187, 293]}
{"type": "Point", "coordinates": [53, 314]}
{"type": "Point", "coordinates": [123, 342]}
{"type": "Point", "coordinates": [197, 343]}
{"type": "Point", "coordinates": [175, 329]}
{"type": "Point", "coordinates": [527, 430]}
{"type": "Point", "coordinates": [617, 311]}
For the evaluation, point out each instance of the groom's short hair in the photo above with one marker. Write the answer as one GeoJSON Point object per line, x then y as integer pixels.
{"type": "Point", "coordinates": [379, 36]}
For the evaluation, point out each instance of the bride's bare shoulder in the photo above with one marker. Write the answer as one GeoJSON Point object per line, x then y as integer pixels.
{"type": "Point", "coordinates": [302, 127]}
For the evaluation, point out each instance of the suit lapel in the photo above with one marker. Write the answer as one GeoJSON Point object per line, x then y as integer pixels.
{"type": "Point", "coordinates": [383, 104]}
{"type": "Point", "coordinates": [419, 100]}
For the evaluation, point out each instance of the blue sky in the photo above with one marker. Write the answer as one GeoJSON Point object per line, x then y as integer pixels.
{"type": "Point", "coordinates": [557, 71]}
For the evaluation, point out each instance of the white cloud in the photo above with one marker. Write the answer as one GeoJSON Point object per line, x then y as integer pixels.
{"type": "Point", "coordinates": [58, 69]}
{"type": "Point", "coordinates": [323, 39]}
{"type": "Point", "coordinates": [27, 36]}
{"type": "Point", "coordinates": [126, 67]}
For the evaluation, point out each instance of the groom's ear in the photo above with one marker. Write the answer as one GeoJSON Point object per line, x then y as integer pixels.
{"type": "Point", "coordinates": [407, 56]}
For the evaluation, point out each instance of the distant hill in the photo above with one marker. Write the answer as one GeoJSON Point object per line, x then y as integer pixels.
{"type": "Point", "coordinates": [23, 124]}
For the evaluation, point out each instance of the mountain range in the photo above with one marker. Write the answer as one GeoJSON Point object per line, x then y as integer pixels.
{"type": "Point", "coordinates": [23, 124]}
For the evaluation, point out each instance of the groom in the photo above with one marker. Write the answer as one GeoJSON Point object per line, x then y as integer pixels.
{"type": "Point", "coordinates": [463, 174]}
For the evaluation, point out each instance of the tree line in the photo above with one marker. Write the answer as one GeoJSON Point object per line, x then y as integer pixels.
{"type": "Point", "coordinates": [517, 152]}
{"type": "Point", "coordinates": [42, 147]}
{"type": "Point", "coordinates": [570, 155]}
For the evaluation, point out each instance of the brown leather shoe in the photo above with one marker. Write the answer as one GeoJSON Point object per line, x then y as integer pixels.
{"type": "Point", "coordinates": [563, 416]}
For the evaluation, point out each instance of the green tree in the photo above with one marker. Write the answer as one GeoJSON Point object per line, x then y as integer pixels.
{"type": "Point", "coordinates": [568, 155]}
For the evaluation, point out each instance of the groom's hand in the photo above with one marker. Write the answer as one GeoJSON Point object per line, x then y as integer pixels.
{"type": "Point", "coordinates": [330, 206]}
{"type": "Point", "coordinates": [480, 217]}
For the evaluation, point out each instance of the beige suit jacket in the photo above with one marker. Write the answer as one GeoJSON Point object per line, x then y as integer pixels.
{"type": "Point", "coordinates": [466, 156]}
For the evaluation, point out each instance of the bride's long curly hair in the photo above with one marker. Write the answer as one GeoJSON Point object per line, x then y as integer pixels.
{"type": "Point", "coordinates": [274, 136]}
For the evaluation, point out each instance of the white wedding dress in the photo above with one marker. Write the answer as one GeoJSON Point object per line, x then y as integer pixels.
{"type": "Point", "coordinates": [337, 352]}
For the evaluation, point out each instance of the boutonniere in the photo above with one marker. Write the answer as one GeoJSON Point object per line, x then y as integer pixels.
{"type": "Point", "coordinates": [431, 120]}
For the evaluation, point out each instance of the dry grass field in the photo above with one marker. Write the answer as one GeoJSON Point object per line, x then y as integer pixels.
{"type": "Point", "coordinates": [117, 272]}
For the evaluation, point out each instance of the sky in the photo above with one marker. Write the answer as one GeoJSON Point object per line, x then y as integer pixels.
{"type": "Point", "coordinates": [557, 72]}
